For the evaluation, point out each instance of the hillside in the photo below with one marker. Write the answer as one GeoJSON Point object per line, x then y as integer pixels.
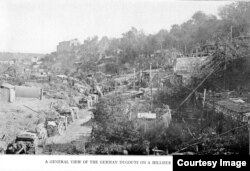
{"type": "Point", "coordinates": [9, 55]}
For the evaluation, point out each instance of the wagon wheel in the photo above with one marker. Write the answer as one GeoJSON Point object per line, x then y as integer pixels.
{"type": "Point", "coordinates": [44, 141]}
{"type": "Point", "coordinates": [72, 115]}
{"type": "Point", "coordinates": [32, 149]}
{"type": "Point", "coordinates": [49, 131]}
{"type": "Point", "coordinates": [60, 128]}
{"type": "Point", "coordinates": [64, 126]}
{"type": "Point", "coordinates": [36, 150]}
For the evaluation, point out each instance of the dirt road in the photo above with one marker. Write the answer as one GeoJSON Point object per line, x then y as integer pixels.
{"type": "Point", "coordinates": [75, 131]}
{"type": "Point", "coordinates": [74, 138]}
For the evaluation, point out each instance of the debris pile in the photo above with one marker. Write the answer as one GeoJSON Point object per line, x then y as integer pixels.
{"type": "Point", "coordinates": [25, 143]}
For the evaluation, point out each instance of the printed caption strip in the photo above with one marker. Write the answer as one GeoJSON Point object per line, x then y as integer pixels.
{"type": "Point", "coordinates": [78, 163]}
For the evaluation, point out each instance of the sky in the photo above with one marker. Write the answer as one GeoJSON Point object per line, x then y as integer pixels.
{"type": "Point", "coordinates": [36, 26]}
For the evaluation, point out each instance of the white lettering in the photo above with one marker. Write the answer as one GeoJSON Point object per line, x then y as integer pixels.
{"type": "Point", "coordinates": [214, 163]}
{"type": "Point", "coordinates": [237, 164]}
{"type": "Point", "coordinates": [178, 162]}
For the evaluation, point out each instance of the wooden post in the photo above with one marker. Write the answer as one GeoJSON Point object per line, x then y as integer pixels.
{"type": "Point", "coordinates": [185, 50]}
{"type": "Point", "coordinates": [231, 30]}
{"type": "Point", "coordinates": [140, 78]}
{"type": "Point", "coordinates": [41, 95]}
{"type": "Point", "coordinates": [150, 75]}
{"type": "Point", "coordinates": [134, 78]}
{"type": "Point", "coordinates": [246, 118]}
{"type": "Point", "coordinates": [204, 98]}
{"type": "Point", "coordinates": [249, 135]}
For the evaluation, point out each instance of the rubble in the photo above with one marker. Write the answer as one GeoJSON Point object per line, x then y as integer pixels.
{"type": "Point", "coordinates": [56, 126]}
{"type": "Point", "coordinates": [25, 143]}
{"type": "Point", "coordinates": [3, 145]}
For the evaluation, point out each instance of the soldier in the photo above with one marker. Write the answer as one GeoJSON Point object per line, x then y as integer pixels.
{"type": "Point", "coordinates": [89, 99]}
{"type": "Point", "coordinates": [75, 111]}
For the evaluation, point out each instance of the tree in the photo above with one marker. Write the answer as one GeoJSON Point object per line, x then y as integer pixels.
{"type": "Point", "coordinates": [103, 45]}
{"type": "Point", "coordinates": [112, 68]}
{"type": "Point", "coordinates": [237, 15]}
{"type": "Point", "coordinates": [131, 45]}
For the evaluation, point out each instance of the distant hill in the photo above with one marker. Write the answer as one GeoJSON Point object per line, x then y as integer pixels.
{"type": "Point", "coordinates": [4, 56]}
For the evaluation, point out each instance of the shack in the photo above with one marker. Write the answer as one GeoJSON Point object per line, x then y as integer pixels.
{"type": "Point", "coordinates": [228, 103]}
{"type": "Point", "coordinates": [7, 93]}
{"type": "Point", "coordinates": [188, 67]}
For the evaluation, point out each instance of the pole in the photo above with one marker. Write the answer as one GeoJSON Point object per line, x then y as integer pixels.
{"type": "Point", "coordinates": [185, 50]}
{"type": "Point", "coordinates": [231, 30]}
{"type": "Point", "coordinates": [140, 78]}
{"type": "Point", "coordinates": [134, 78]}
{"type": "Point", "coordinates": [225, 68]}
{"type": "Point", "coordinates": [159, 81]}
{"type": "Point", "coordinates": [31, 109]}
{"type": "Point", "coordinates": [249, 135]}
{"type": "Point", "coordinates": [150, 75]}
{"type": "Point", "coordinates": [198, 86]}
{"type": "Point", "coordinates": [204, 98]}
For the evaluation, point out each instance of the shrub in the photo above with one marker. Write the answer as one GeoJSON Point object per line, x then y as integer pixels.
{"type": "Point", "coordinates": [112, 68]}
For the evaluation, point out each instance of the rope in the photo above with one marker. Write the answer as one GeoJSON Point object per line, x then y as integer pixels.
{"type": "Point", "coordinates": [214, 69]}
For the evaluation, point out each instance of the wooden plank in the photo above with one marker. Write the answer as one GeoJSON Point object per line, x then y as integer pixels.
{"type": "Point", "coordinates": [147, 115]}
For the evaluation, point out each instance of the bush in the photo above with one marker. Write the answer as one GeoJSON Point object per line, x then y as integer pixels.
{"type": "Point", "coordinates": [112, 68]}
{"type": "Point", "coordinates": [113, 125]}
{"type": "Point", "coordinates": [113, 132]}
{"type": "Point", "coordinates": [170, 96]}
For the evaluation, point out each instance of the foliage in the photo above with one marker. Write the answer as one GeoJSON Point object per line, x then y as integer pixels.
{"type": "Point", "coordinates": [114, 132]}
{"type": "Point", "coordinates": [136, 48]}
{"type": "Point", "coordinates": [171, 96]}
{"type": "Point", "coordinates": [112, 68]}
{"type": "Point", "coordinates": [113, 124]}
{"type": "Point", "coordinates": [194, 124]}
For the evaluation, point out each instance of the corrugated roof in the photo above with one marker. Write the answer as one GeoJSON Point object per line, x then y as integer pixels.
{"type": "Point", "coordinates": [7, 85]}
{"type": "Point", "coordinates": [189, 64]}
{"type": "Point", "coordinates": [236, 107]}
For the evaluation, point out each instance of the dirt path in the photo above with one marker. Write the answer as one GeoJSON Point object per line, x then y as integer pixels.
{"type": "Point", "coordinates": [76, 131]}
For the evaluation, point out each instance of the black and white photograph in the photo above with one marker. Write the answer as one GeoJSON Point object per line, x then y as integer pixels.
{"type": "Point", "coordinates": [125, 78]}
